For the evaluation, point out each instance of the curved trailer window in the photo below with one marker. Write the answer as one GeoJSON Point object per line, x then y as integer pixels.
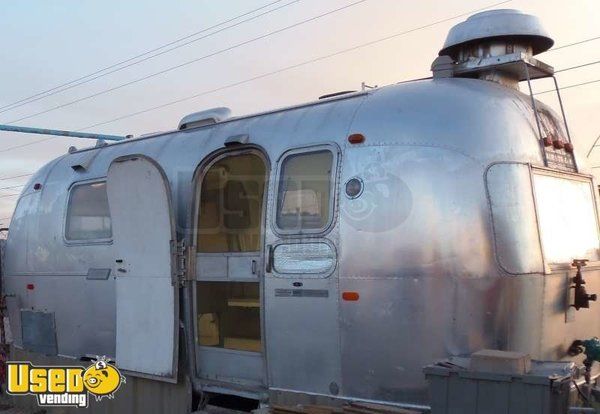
{"type": "Point", "coordinates": [88, 215]}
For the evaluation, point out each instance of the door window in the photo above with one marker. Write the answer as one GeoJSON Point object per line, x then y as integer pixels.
{"type": "Point", "coordinates": [230, 210]}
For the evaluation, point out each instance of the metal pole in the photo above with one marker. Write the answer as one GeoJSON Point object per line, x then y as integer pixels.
{"type": "Point", "coordinates": [59, 132]}
{"type": "Point", "coordinates": [562, 109]}
{"type": "Point", "coordinates": [535, 113]}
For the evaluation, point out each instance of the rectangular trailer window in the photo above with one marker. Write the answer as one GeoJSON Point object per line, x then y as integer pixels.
{"type": "Point", "coordinates": [88, 215]}
{"type": "Point", "coordinates": [304, 196]}
{"type": "Point", "coordinates": [567, 217]}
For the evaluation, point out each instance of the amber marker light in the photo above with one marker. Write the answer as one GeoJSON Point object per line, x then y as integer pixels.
{"type": "Point", "coordinates": [356, 138]}
{"type": "Point", "coordinates": [350, 296]}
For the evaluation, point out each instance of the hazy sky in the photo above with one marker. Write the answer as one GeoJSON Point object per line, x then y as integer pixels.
{"type": "Point", "coordinates": [47, 43]}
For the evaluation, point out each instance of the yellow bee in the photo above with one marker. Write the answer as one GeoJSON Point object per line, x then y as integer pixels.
{"type": "Point", "coordinates": [102, 379]}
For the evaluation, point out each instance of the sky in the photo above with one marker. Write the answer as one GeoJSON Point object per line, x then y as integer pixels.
{"type": "Point", "coordinates": [48, 43]}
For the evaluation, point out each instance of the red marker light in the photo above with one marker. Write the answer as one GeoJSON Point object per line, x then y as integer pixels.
{"type": "Point", "coordinates": [30, 286]}
{"type": "Point", "coordinates": [569, 147]}
{"type": "Point", "coordinates": [547, 141]}
{"type": "Point", "coordinates": [558, 143]}
{"type": "Point", "coordinates": [350, 296]}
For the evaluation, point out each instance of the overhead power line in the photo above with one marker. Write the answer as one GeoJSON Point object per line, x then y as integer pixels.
{"type": "Point", "coordinates": [572, 44]}
{"type": "Point", "coordinates": [303, 64]}
{"type": "Point", "coordinates": [578, 66]}
{"type": "Point", "coordinates": [297, 65]}
{"type": "Point", "coordinates": [16, 176]}
{"type": "Point", "coordinates": [149, 54]}
{"type": "Point", "coordinates": [169, 69]}
{"type": "Point", "coordinates": [25, 145]}
{"type": "Point", "coordinates": [9, 195]}
{"type": "Point", "coordinates": [12, 186]}
{"type": "Point", "coordinates": [568, 87]}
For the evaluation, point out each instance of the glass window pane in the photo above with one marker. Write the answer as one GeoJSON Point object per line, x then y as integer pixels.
{"type": "Point", "coordinates": [229, 315]}
{"type": "Point", "coordinates": [88, 215]}
{"type": "Point", "coordinates": [231, 200]}
{"type": "Point", "coordinates": [305, 191]}
{"type": "Point", "coordinates": [567, 218]}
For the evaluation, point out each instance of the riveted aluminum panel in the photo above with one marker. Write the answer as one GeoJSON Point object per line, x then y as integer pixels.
{"type": "Point", "coordinates": [38, 331]}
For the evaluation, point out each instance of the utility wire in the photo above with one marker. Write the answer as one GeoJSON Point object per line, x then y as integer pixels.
{"type": "Point", "coordinates": [25, 145]}
{"type": "Point", "coordinates": [568, 87]}
{"type": "Point", "coordinates": [572, 44]}
{"type": "Point", "coordinates": [284, 69]}
{"type": "Point", "coordinates": [12, 186]}
{"type": "Point", "coordinates": [592, 148]}
{"type": "Point", "coordinates": [578, 66]}
{"type": "Point", "coordinates": [100, 72]}
{"type": "Point", "coordinates": [272, 73]}
{"type": "Point", "coordinates": [16, 176]}
{"type": "Point", "coordinates": [152, 75]}
{"type": "Point", "coordinates": [9, 195]}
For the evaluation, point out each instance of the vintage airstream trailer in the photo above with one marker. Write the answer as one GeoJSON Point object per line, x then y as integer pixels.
{"type": "Point", "coordinates": [325, 251]}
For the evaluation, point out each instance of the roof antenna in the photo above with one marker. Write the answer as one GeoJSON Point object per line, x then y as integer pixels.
{"type": "Point", "coordinates": [364, 86]}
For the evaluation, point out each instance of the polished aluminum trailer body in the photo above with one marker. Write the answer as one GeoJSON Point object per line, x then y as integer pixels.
{"type": "Point", "coordinates": [427, 261]}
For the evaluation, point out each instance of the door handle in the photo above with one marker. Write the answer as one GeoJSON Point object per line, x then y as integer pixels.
{"type": "Point", "coordinates": [269, 266]}
{"type": "Point", "coordinates": [254, 266]}
{"type": "Point", "coordinates": [120, 269]}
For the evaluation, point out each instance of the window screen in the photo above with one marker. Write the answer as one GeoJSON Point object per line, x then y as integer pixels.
{"type": "Point", "coordinates": [230, 210]}
{"type": "Point", "coordinates": [305, 191]}
{"type": "Point", "coordinates": [567, 218]}
{"type": "Point", "coordinates": [88, 216]}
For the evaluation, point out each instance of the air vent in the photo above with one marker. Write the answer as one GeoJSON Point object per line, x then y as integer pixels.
{"type": "Point", "coordinates": [203, 118]}
{"type": "Point", "coordinates": [494, 45]}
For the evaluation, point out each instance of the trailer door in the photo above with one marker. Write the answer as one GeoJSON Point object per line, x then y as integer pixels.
{"type": "Point", "coordinates": [146, 282]}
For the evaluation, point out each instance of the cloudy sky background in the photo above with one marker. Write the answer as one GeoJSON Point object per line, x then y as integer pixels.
{"type": "Point", "coordinates": [48, 43]}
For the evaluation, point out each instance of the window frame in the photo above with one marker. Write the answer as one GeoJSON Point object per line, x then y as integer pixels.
{"type": "Point", "coordinates": [334, 178]}
{"type": "Point", "coordinates": [198, 178]}
{"type": "Point", "coordinates": [299, 241]}
{"type": "Point", "coordinates": [80, 242]}
{"type": "Point", "coordinates": [584, 178]}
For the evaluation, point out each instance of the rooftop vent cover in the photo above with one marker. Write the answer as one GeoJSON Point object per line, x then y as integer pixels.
{"type": "Point", "coordinates": [203, 118]}
{"type": "Point", "coordinates": [504, 25]}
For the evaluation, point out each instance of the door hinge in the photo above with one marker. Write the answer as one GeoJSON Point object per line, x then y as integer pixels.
{"type": "Point", "coordinates": [181, 262]}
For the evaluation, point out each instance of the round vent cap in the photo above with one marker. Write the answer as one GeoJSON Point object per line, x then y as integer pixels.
{"type": "Point", "coordinates": [495, 24]}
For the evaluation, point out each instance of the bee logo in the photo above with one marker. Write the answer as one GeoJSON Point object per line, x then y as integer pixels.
{"type": "Point", "coordinates": [102, 379]}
